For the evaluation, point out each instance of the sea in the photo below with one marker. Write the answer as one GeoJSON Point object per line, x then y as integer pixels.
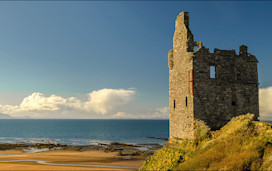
{"type": "Point", "coordinates": [83, 131]}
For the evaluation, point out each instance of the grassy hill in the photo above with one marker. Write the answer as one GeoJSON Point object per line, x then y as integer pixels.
{"type": "Point", "coordinates": [242, 144]}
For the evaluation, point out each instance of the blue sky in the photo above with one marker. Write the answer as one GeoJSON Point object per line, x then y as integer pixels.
{"type": "Point", "coordinates": [70, 49]}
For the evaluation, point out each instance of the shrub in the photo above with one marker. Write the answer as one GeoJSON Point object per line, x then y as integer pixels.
{"type": "Point", "coordinates": [164, 159]}
{"type": "Point", "coordinates": [202, 131]}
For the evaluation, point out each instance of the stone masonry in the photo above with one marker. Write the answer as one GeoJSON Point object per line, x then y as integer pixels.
{"type": "Point", "coordinates": [212, 87]}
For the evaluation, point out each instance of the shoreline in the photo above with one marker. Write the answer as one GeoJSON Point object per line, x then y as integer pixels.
{"type": "Point", "coordinates": [113, 156]}
{"type": "Point", "coordinates": [139, 149]}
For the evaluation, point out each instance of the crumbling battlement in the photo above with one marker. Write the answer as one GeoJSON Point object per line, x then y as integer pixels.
{"type": "Point", "coordinates": [213, 87]}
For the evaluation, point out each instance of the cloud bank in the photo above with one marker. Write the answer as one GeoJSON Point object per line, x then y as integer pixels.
{"type": "Point", "coordinates": [104, 103]}
{"type": "Point", "coordinates": [156, 113]}
{"type": "Point", "coordinates": [100, 102]}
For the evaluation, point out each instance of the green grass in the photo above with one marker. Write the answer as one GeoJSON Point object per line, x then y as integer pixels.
{"type": "Point", "coordinates": [164, 159]}
{"type": "Point", "coordinates": [242, 144]}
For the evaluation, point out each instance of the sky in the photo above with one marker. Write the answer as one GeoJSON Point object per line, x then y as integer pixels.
{"type": "Point", "coordinates": [108, 59]}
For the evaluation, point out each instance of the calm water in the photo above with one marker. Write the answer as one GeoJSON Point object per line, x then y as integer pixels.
{"type": "Point", "coordinates": [82, 132]}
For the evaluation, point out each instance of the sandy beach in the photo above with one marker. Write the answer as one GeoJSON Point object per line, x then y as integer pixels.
{"type": "Point", "coordinates": [71, 157]}
{"type": "Point", "coordinates": [99, 156]}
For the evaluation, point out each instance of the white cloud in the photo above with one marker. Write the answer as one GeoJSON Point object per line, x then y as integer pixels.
{"type": "Point", "coordinates": [38, 102]}
{"type": "Point", "coordinates": [100, 102]}
{"type": "Point", "coordinates": [122, 115]}
{"type": "Point", "coordinates": [103, 101]}
{"type": "Point", "coordinates": [161, 113]}
{"type": "Point", "coordinates": [265, 101]}
{"type": "Point", "coordinates": [156, 113]}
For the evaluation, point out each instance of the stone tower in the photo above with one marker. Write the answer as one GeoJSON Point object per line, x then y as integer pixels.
{"type": "Point", "coordinates": [212, 87]}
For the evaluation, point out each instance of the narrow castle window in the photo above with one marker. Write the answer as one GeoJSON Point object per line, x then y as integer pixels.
{"type": "Point", "coordinates": [186, 101]}
{"type": "Point", "coordinates": [174, 104]}
{"type": "Point", "coordinates": [212, 71]}
{"type": "Point", "coordinates": [233, 100]}
{"type": "Point", "coordinates": [238, 76]}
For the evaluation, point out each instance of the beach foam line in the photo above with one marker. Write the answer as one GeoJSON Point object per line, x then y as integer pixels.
{"type": "Point", "coordinates": [62, 164]}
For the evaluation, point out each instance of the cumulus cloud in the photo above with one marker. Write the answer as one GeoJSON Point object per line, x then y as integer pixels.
{"type": "Point", "coordinates": [265, 101]}
{"type": "Point", "coordinates": [8, 109]}
{"type": "Point", "coordinates": [104, 103]}
{"type": "Point", "coordinates": [105, 100]}
{"type": "Point", "coordinates": [38, 102]}
{"type": "Point", "coordinates": [100, 102]}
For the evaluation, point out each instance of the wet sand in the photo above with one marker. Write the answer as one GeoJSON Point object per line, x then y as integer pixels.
{"type": "Point", "coordinates": [111, 160]}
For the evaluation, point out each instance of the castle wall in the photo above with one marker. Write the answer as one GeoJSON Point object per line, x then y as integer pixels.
{"type": "Point", "coordinates": [233, 91]}
{"type": "Point", "coordinates": [194, 94]}
{"type": "Point", "coordinates": [180, 75]}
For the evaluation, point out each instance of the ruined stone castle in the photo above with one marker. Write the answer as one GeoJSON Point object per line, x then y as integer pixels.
{"type": "Point", "coordinates": [212, 87]}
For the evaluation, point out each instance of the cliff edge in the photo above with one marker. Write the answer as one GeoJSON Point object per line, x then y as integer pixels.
{"type": "Point", "coordinates": [242, 144]}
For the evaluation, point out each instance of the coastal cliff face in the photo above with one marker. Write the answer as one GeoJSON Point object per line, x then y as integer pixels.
{"type": "Point", "coordinates": [242, 144]}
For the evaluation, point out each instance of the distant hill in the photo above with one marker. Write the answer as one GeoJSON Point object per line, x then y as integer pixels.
{"type": "Point", "coordinates": [5, 116]}
{"type": "Point", "coordinates": [242, 144]}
